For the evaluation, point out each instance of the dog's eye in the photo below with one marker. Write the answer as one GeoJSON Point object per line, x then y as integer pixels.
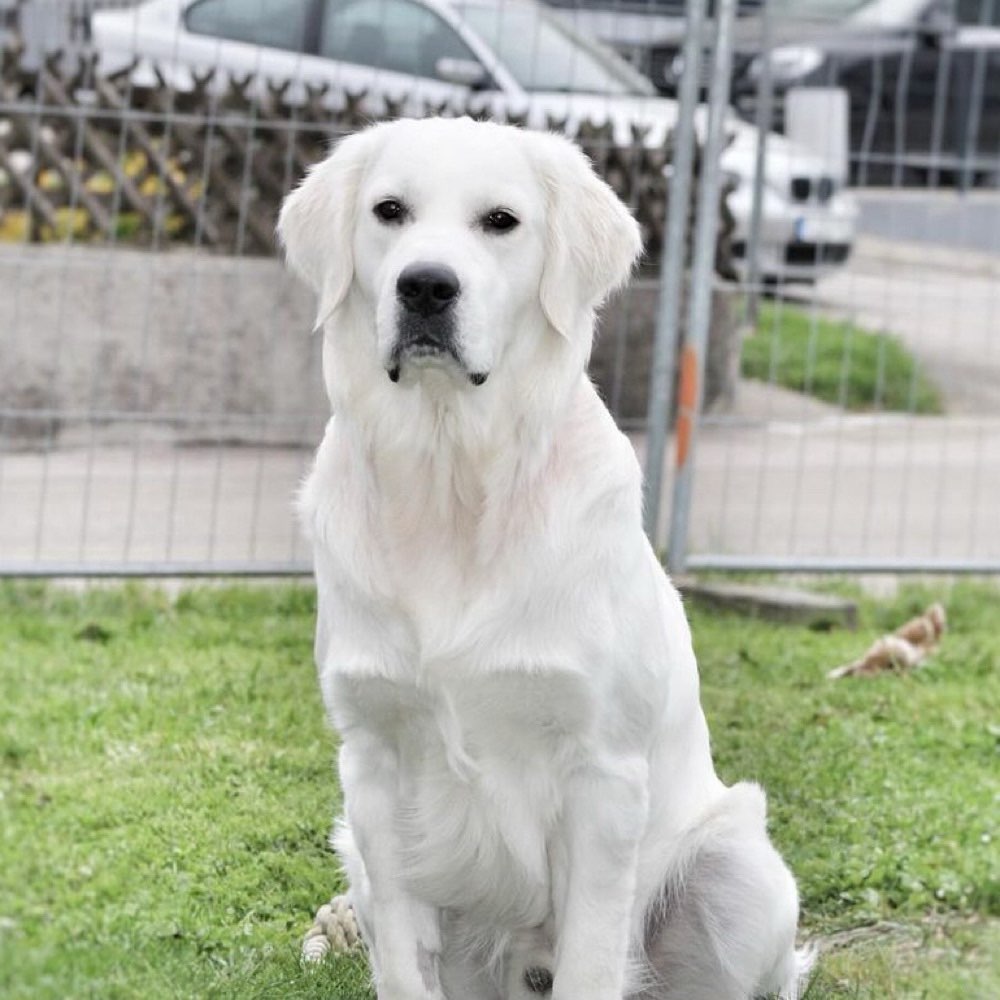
{"type": "Point", "coordinates": [500, 221]}
{"type": "Point", "coordinates": [390, 210]}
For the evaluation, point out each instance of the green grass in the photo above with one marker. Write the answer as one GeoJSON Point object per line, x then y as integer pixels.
{"type": "Point", "coordinates": [166, 789]}
{"type": "Point", "coordinates": [837, 362]}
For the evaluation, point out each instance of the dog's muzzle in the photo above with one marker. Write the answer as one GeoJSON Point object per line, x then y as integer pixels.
{"type": "Point", "coordinates": [427, 293]}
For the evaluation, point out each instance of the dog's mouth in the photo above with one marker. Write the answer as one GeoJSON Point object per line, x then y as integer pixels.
{"type": "Point", "coordinates": [424, 345]}
{"type": "Point", "coordinates": [395, 372]}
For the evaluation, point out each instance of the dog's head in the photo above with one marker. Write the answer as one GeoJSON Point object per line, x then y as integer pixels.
{"type": "Point", "coordinates": [451, 246]}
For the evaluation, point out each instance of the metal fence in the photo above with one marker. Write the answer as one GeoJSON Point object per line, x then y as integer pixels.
{"type": "Point", "coordinates": [160, 397]}
{"type": "Point", "coordinates": [896, 466]}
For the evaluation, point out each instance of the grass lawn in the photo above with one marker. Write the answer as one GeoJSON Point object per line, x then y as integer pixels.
{"type": "Point", "coordinates": [166, 789]}
{"type": "Point", "coordinates": [836, 362]}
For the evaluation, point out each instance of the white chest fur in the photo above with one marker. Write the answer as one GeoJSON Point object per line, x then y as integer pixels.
{"type": "Point", "coordinates": [482, 761]}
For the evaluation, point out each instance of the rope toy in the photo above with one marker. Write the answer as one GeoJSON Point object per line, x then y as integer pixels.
{"type": "Point", "coordinates": [334, 931]}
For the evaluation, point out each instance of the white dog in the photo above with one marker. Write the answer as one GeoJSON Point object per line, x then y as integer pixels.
{"type": "Point", "coordinates": [530, 802]}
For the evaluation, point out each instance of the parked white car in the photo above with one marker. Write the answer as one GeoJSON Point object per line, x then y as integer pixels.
{"type": "Point", "coordinates": [508, 57]}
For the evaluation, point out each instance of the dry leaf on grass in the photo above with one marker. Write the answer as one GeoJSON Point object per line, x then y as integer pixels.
{"type": "Point", "coordinates": [903, 649]}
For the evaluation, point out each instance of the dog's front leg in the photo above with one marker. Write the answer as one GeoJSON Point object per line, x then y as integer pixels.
{"type": "Point", "coordinates": [605, 815]}
{"type": "Point", "coordinates": [406, 932]}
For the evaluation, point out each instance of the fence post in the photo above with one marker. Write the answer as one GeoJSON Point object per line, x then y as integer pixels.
{"type": "Point", "coordinates": [691, 389]}
{"type": "Point", "coordinates": [765, 106]}
{"type": "Point", "coordinates": [672, 266]}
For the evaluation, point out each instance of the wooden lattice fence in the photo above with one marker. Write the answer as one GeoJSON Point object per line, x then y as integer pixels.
{"type": "Point", "coordinates": [94, 158]}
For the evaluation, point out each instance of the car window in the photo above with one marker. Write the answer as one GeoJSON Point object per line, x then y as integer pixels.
{"type": "Point", "coordinates": [390, 34]}
{"type": "Point", "coordinates": [833, 10]}
{"type": "Point", "coordinates": [543, 53]}
{"type": "Point", "coordinates": [665, 8]}
{"type": "Point", "coordinates": [280, 24]}
{"type": "Point", "coordinates": [979, 12]}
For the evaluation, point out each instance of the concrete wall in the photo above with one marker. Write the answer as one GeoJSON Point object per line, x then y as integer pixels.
{"type": "Point", "coordinates": [622, 372]}
{"type": "Point", "coordinates": [204, 347]}
{"type": "Point", "coordinates": [208, 348]}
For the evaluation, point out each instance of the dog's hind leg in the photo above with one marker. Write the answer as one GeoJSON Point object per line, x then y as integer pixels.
{"type": "Point", "coordinates": [724, 928]}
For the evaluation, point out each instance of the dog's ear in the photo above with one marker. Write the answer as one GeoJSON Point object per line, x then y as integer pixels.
{"type": "Point", "coordinates": [316, 224]}
{"type": "Point", "coordinates": [592, 241]}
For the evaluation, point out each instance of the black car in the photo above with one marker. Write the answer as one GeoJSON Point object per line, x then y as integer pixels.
{"type": "Point", "coordinates": [923, 79]}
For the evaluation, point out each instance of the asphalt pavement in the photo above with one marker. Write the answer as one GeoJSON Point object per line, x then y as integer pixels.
{"type": "Point", "coordinates": [942, 218]}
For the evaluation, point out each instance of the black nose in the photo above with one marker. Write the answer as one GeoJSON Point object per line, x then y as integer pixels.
{"type": "Point", "coordinates": [427, 289]}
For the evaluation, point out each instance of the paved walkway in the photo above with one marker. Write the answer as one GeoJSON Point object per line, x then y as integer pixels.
{"type": "Point", "coordinates": [920, 489]}
{"type": "Point", "coordinates": [883, 488]}
{"type": "Point", "coordinates": [155, 507]}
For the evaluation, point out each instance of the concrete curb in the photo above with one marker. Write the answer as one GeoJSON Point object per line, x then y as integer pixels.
{"type": "Point", "coordinates": [779, 604]}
